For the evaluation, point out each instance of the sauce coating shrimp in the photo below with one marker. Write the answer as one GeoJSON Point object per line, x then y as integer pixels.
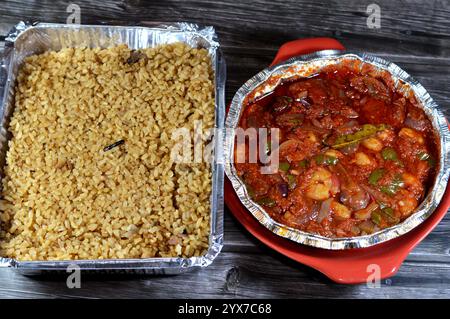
{"type": "Point", "coordinates": [321, 184]}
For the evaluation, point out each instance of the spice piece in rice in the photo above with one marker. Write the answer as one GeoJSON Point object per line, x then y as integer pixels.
{"type": "Point", "coordinates": [110, 147]}
{"type": "Point", "coordinates": [64, 198]}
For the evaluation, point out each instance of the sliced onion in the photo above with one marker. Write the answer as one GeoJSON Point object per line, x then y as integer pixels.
{"type": "Point", "coordinates": [306, 102]}
{"type": "Point", "coordinates": [283, 189]}
{"type": "Point", "coordinates": [419, 125]}
{"type": "Point", "coordinates": [342, 171]}
{"type": "Point", "coordinates": [314, 211]}
{"type": "Point", "coordinates": [316, 123]}
{"type": "Point", "coordinates": [349, 127]}
{"type": "Point", "coordinates": [325, 210]}
{"type": "Point", "coordinates": [351, 123]}
{"type": "Point", "coordinates": [379, 197]}
{"type": "Point", "coordinates": [367, 226]}
{"type": "Point", "coordinates": [352, 194]}
{"type": "Point", "coordinates": [363, 100]}
{"type": "Point", "coordinates": [335, 184]}
{"type": "Point", "coordinates": [366, 212]}
{"type": "Point", "coordinates": [312, 128]}
{"type": "Point", "coordinates": [286, 145]}
{"type": "Point", "coordinates": [290, 119]}
{"type": "Point", "coordinates": [352, 114]}
{"type": "Point", "coordinates": [356, 199]}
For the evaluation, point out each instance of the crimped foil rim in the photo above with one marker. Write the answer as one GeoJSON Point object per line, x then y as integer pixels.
{"type": "Point", "coordinates": [260, 84]}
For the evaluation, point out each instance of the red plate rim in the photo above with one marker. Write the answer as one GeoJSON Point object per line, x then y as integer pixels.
{"type": "Point", "coordinates": [350, 266]}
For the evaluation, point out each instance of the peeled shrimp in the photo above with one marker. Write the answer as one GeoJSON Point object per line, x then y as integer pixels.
{"type": "Point", "coordinates": [373, 144]}
{"type": "Point", "coordinates": [386, 135]}
{"type": "Point", "coordinates": [411, 134]}
{"type": "Point", "coordinates": [322, 184]}
{"type": "Point", "coordinates": [407, 204]}
{"type": "Point", "coordinates": [362, 159]}
{"type": "Point", "coordinates": [412, 183]}
{"type": "Point", "coordinates": [341, 211]}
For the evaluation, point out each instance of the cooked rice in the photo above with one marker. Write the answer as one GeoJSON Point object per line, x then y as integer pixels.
{"type": "Point", "coordinates": [64, 197]}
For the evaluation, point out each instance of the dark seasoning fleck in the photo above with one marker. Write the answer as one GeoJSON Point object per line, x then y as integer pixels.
{"type": "Point", "coordinates": [110, 147]}
{"type": "Point", "coordinates": [135, 56]}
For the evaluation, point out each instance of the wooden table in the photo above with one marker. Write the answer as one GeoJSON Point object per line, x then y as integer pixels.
{"type": "Point", "coordinates": [413, 34]}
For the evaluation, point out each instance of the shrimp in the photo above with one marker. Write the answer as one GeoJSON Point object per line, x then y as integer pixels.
{"type": "Point", "coordinates": [386, 135]}
{"type": "Point", "coordinates": [411, 134]}
{"type": "Point", "coordinates": [410, 180]}
{"type": "Point", "coordinates": [322, 184]}
{"type": "Point", "coordinates": [340, 211]}
{"type": "Point", "coordinates": [407, 204]}
{"type": "Point", "coordinates": [362, 159]}
{"type": "Point", "coordinates": [373, 144]}
{"type": "Point", "coordinates": [409, 195]}
{"type": "Point", "coordinates": [412, 183]}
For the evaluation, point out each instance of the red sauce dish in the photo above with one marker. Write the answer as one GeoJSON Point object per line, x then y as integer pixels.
{"type": "Point", "coordinates": [354, 265]}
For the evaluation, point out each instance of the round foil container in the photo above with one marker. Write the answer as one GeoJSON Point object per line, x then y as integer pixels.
{"type": "Point", "coordinates": [306, 65]}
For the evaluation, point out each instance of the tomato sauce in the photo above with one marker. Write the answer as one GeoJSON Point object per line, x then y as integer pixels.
{"type": "Point", "coordinates": [355, 155]}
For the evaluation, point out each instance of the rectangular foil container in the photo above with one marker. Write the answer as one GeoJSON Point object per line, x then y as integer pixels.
{"type": "Point", "coordinates": [26, 39]}
{"type": "Point", "coordinates": [307, 65]}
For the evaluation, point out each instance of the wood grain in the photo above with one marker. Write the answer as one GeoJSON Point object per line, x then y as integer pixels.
{"type": "Point", "coordinates": [413, 34]}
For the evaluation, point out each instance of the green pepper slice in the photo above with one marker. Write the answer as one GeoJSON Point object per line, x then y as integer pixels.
{"type": "Point", "coordinates": [389, 213]}
{"type": "Point", "coordinates": [393, 187]}
{"type": "Point", "coordinates": [266, 201]}
{"type": "Point", "coordinates": [284, 166]}
{"type": "Point", "coordinates": [376, 217]}
{"type": "Point", "coordinates": [424, 156]}
{"type": "Point", "coordinates": [292, 181]}
{"type": "Point", "coordinates": [325, 159]}
{"type": "Point", "coordinates": [388, 153]}
{"type": "Point", "coordinates": [376, 175]}
{"type": "Point", "coordinates": [303, 164]}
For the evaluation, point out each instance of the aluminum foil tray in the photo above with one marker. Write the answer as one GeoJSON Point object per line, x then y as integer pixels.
{"type": "Point", "coordinates": [27, 39]}
{"type": "Point", "coordinates": [306, 65]}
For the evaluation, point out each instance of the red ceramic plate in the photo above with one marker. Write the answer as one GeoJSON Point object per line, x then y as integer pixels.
{"type": "Point", "coordinates": [343, 266]}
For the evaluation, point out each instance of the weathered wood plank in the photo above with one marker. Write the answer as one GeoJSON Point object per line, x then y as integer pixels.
{"type": "Point", "coordinates": [262, 275]}
{"type": "Point", "coordinates": [268, 24]}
